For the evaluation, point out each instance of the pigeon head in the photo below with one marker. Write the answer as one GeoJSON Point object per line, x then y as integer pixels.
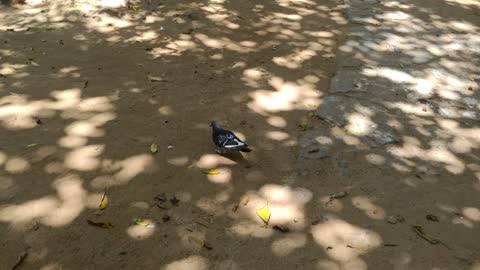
{"type": "Point", "coordinates": [215, 125]}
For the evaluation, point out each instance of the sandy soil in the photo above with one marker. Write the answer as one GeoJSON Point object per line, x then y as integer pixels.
{"type": "Point", "coordinates": [88, 86]}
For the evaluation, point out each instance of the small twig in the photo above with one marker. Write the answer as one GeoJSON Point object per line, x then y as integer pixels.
{"type": "Point", "coordinates": [418, 230]}
{"type": "Point", "coordinates": [338, 195]}
{"type": "Point", "coordinates": [200, 223]}
{"type": "Point", "coordinates": [20, 260]}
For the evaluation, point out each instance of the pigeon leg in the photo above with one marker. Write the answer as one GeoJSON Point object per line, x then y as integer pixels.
{"type": "Point", "coordinates": [220, 151]}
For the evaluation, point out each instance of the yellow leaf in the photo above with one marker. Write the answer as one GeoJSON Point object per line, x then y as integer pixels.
{"type": "Point", "coordinates": [264, 213]}
{"type": "Point", "coordinates": [192, 165]}
{"type": "Point", "coordinates": [196, 240]}
{"type": "Point", "coordinates": [310, 114]}
{"type": "Point", "coordinates": [103, 202]}
{"type": "Point", "coordinates": [211, 172]}
{"type": "Point", "coordinates": [134, 8]}
{"type": "Point", "coordinates": [153, 148]}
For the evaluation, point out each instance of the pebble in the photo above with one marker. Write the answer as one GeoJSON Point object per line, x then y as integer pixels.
{"type": "Point", "coordinates": [394, 219]}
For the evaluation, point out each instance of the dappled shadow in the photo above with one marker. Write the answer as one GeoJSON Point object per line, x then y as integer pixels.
{"type": "Point", "coordinates": [403, 105]}
{"type": "Point", "coordinates": [88, 86]}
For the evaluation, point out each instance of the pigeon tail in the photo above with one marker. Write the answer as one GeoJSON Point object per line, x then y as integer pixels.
{"type": "Point", "coordinates": [245, 149]}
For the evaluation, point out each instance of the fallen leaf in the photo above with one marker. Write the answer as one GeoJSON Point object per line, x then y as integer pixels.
{"type": "Point", "coordinates": [141, 222]}
{"type": "Point", "coordinates": [200, 242]}
{"type": "Point", "coordinates": [235, 208]}
{"type": "Point", "coordinates": [20, 260]}
{"type": "Point", "coordinates": [264, 213]}
{"type": "Point", "coordinates": [103, 202]}
{"type": "Point", "coordinates": [103, 225]}
{"type": "Point", "coordinates": [207, 246]}
{"type": "Point", "coordinates": [85, 85]}
{"type": "Point", "coordinates": [303, 125]}
{"type": "Point", "coordinates": [394, 219]}
{"type": "Point", "coordinates": [338, 195]}
{"type": "Point", "coordinates": [161, 197]}
{"type": "Point", "coordinates": [153, 148]}
{"type": "Point", "coordinates": [211, 172]}
{"type": "Point", "coordinates": [37, 120]}
{"type": "Point", "coordinates": [310, 114]}
{"type": "Point", "coordinates": [134, 8]}
{"type": "Point", "coordinates": [423, 100]}
{"type": "Point", "coordinates": [159, 205]}
{"type": "Point", "coordinates": [315, 222]}
{"type": "Point", "coordinates": [32, 145]}
{"type": "Point", "coordinates": [156, 79]}
{"type": "Point", "coordinates": [174, 201]}
{"type": "Point", "coordinates": [196, 240]}
{"type": "Point", "coordinates": [192, 165]}
{"type": "Point", "coordinates": [432, 217]}
{"type": "Point", "coordinates": [419, 231]}
{"type": "Point", "coordinates": [246, 201]}
{"type": "Point", "coordinates": [281, 228]}
{"type": "Point", "coordinates": [166, 218]}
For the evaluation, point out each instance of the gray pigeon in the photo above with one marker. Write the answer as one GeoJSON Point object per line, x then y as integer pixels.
{"type": "Point", "coordinates": [225, 140]}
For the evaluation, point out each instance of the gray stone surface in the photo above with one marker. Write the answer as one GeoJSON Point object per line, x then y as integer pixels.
{"type": "Point", "coordinates": [315, 144]}
{"type": "Point", "coordinates": [394, 67]}
{"type": "Point", "coordinates": [339, 109]}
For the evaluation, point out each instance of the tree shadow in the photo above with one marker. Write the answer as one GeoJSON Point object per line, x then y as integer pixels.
{"type": "Point", "coordinates": [87, 87]}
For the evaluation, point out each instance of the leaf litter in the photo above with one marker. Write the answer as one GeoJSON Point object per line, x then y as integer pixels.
{"type": "Point", "coordinates": [420, 232]}
{"type": "Point", "coordinates": [104, 202]}
{"type": "Point", "coordinates": [338, 195]}
{"type": "Point", "coordinates": [200, 242]}
{"type": "Point", "coordinates": [103, 225]}
{"type": "Point", "coordinates": [281, 228]}
{"type": "Point", "coordinates": [264, 213]}
{"type": "Point", "coordinates": [20, 260]}
{"type": "Point", "coordinates": [211, 172]}
{"type": "Point", "coordinates": [143, 223]}
{"type": "Point", "coordinates": [154, 148]}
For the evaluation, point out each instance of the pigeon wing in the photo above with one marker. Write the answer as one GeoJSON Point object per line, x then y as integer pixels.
{"type": "Point", "coordinates": [233, 141]}
{"type": "Point", "coordinates": [220, 139]}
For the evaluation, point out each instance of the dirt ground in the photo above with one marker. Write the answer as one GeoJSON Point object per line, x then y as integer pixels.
{"type": "Point", "coordinates": [87, 86]}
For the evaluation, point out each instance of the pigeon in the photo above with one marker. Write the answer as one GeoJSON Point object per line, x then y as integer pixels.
{"type": "Point", "coordinates": [225, 140]}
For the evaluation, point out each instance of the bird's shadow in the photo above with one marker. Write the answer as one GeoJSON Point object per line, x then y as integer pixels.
{"type": "Point", "coordinates": [234, 156]}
